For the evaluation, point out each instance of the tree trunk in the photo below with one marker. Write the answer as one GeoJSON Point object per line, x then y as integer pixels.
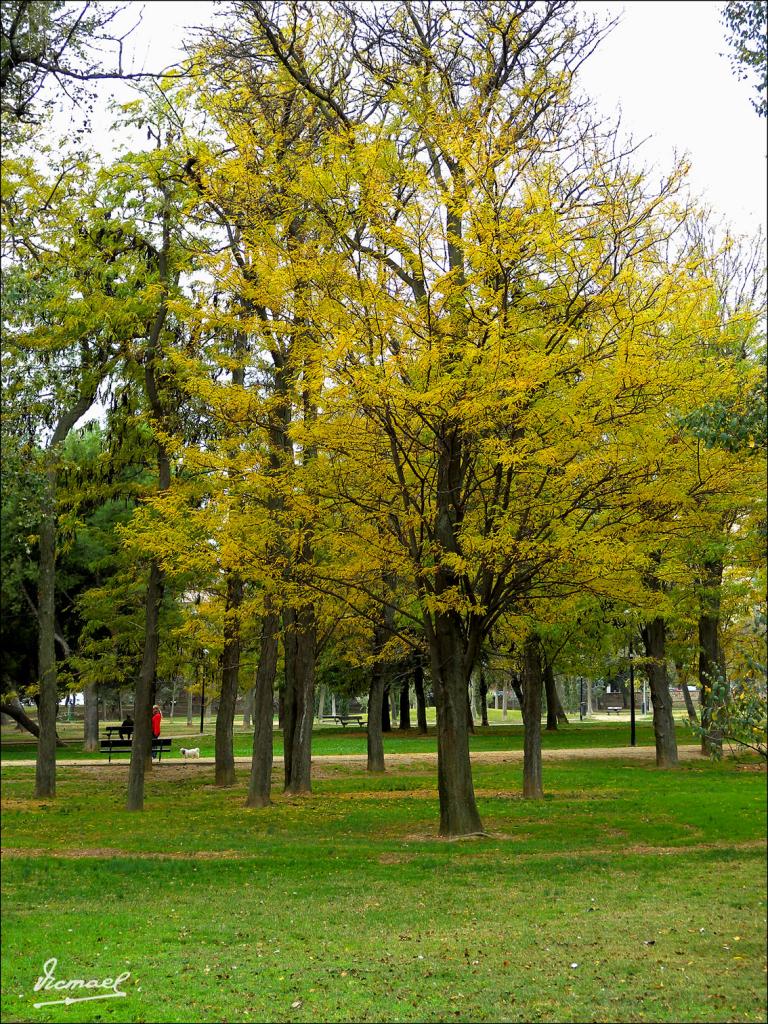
{"type": "Point", "coordinates": [711, 660]}
{"type": "Point", "coordinates": [260, 784]}
{"type": "Point", "coordinates": [45, 772]}
{"type": "Point", "coordinates": [418, 686]}
{"type": "Point", "coordinates": [230, 676]}
{"type": "Point", "coordinates": [289, 685]}
{"type": "Point", "coordinates": [549, 685]}
{"type": "Point", "coordinates": [299, 699]}
{"type": "Point", "coordinates": [190, 715]}
{"type": "Point", "coordinates": [458, 810]}
{"type": "Point", "coordinates": [321, 703]}
{"type": "Point", "coordinates": [590, 705]}
{"type": "Point", "coordinates": [531, 709]}
{"type": "Point", "coordinates": [386, 720]}
{"type": "Point", "coordinates": [248, 709]}
{"type": "Point", "coordinates": [405, 707]}
{"type": "Point", "coordinates": [654, 640]}
{"type": "Point", "coordinates": [393, 699]}
{"type": "Point", "coordinates": [555, 712]}
{"type": "Point", "coordinates": [452, 650]}
{"type": "Point", "coordinates": [15, 710]}
{"type": "Point", "coordinates": [682, 679]}
{"type": "Point", "coordinates": [230, 658]}
{"type": "Point", "coordinates": [377, 696]}
{"type": "Point", "coordinates": [689, 706]}
{"type": "Point", "coordinates": [376, 704]}
{"type": "Point", "coordinates": [48, 695]}
{"type": "Point", "coordinates": [504, 701]}
{"type": "Point", "coordinates": [91, 718]}
{"type": "Point", "coordinates": [470, 716]}
{"type": "Point", "coordinates": [141, 749]}
{"type": "Point", "coordinates": [483, 699]}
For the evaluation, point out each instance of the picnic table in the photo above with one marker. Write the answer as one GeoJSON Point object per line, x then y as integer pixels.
{"type": "Point", "coordinates": [345, 719]}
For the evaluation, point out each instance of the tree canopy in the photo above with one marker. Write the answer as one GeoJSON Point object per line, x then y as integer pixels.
{"type": "Point", "coordinates": [746, 22]}
{"type": "Point", "coordinates": [402, 360]}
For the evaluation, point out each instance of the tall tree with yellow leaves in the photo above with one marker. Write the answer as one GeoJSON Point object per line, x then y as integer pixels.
{"type": "Point", "coordinates": [496, 329]}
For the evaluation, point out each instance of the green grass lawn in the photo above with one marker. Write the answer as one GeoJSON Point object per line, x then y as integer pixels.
{"type": "Point", "coordinates": [352, 740]}
{"type": "Point", "coordinates": [628, 894]}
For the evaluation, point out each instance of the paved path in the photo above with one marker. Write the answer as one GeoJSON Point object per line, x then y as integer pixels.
{"type": "Point", "coordinates": [686, 752]}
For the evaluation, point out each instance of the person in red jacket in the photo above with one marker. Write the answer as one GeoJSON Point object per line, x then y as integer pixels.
{"type": "Point", "coordinates": [157, 718]}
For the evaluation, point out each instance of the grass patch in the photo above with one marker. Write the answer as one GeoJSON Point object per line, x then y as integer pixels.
{"type": "Point", "coordinates": [653, 883]}
{"type": "Point", "coordinates": [328, 740]}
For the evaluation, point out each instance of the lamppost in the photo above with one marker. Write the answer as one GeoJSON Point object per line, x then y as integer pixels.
{"type": "Point", "coordinates": [632, 733]}
{"type": "Point", "coordinates": [202, 697]}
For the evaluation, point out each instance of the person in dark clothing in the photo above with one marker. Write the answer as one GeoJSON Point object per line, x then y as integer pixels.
{"type": "Point", "coordinates": [126, 728]}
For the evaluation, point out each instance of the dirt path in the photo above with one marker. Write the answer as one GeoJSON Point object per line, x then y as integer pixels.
{"type": "Point", "coordinates": [15, 853]}
{"type": "Point", "coordinates": [686, 752]}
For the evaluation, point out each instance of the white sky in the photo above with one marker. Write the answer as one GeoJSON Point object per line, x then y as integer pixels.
{"type": "Point", "coordinates": [661, 66]}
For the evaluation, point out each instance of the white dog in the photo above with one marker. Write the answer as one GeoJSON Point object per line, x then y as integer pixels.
{"type": "Point", "coordinates": [190, 752]}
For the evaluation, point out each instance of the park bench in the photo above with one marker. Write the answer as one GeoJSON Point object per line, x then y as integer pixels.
{"type": "Point", "coordinates": [614, 706]}
{"type": "Point", "coordinates": [345, 719]}
{"type": "Point", "coordinates": [115, 730]}
{"type": "Point", "coordinates": [117, 746]}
